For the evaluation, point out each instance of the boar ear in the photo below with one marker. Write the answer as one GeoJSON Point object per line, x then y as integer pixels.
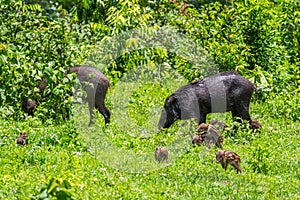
{"type": "Point", "coordinates": [171, 99]}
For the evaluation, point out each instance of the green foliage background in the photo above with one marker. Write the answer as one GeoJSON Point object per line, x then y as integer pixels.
{"type": "Point", "coordinates": [41, 39]}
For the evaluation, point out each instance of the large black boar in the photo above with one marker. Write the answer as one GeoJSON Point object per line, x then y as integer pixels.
{"type": "Point", "coordinates": [94, 82]}
{"type": "Point", "coordinates": [226, 91]}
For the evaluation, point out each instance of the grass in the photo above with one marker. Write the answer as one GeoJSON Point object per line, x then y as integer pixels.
{"type": "Point", "coordinates": [71, 160]}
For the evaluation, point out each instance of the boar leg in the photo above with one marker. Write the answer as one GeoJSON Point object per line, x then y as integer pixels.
{"type": "Point", "coordinates": [202, 119]}
{"type": "Point", "coordinates": [219, 144]}
{"type": "Point", "coordinates": [100, 103]}
{"type": "Point", "coordinates": [224, 165]}
{"type": "Point", "coordinates": [104, 111]}
{"type": "Point", "coordinates": [237, 167]}
{"type": "Point", "coordinates": [243, 112]}
{"type": "Point", "coordinates": [235, 114]}
{"type": "Point", "coordinates": [91, 92]}
{"type": "Point", "coordinates": [91, 103]}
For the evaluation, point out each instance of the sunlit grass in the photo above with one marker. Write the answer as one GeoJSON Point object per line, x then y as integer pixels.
{"type": "Point", "coordinates": [117, 160]}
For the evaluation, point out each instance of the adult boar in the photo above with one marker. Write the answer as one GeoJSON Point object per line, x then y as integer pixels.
{"type": "Point", "coordinates": [94, 82]}
{"type": "Point", "coordinates": [226, 91]}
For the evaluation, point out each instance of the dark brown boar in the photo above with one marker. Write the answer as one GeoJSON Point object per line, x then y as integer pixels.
{"type": "Point", "coordinates": [161, 154]}
{"type": "Point", "coordinates": [255, 124]}
{"type": "Point", "coordinates": [228, 157]}
{"type": "Point", "coordinates": [218, 124]}
{"type": "Point", "coordinates": [94, 82]}
{"type": "Point", "coordinates": [209, 134]}
{"type": "Point", "coordinates": [22, 139]}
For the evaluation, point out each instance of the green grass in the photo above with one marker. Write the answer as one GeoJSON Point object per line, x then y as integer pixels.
{"type": "Point", "coordinates": [117, 161]}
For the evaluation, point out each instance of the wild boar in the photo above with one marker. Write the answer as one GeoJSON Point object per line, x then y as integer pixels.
{"type": "Point", "coordinates": [225, 91]}
{"type": "Point", "coordinates": [209, 134]}
{"type": "Point", "coordinates": [22, 139]}
{"type": "Point", "coordinates": [161, 154]}
{"type": "Point", "coordinates": [228, 157]}
{"type": "Point", "coordinates": [94, 82]}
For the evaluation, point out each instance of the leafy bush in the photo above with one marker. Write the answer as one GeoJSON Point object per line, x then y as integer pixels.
{"type": "Point", "coordinates": [35, 48]}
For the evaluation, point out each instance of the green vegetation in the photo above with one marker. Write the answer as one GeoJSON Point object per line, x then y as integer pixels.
{"type": "Point", "coordinates": [148, 49]}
